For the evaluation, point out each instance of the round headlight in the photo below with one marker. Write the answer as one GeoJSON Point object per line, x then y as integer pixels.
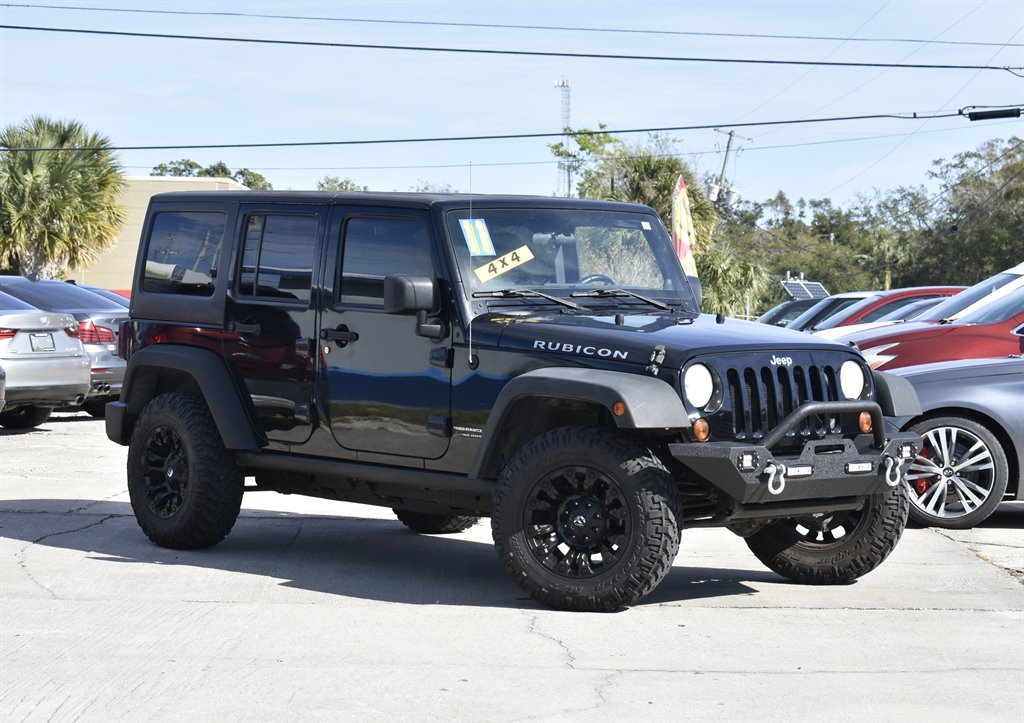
{"type": "Point", "coordinates": [698, 385]}
{"type": "Point", "coordinates": [851, 379]}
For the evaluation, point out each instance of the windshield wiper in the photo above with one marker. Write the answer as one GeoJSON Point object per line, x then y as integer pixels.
{"type": "Point", "coordinates": [525, 293]}
{"type": "Point", "coordinates": [603, 293]}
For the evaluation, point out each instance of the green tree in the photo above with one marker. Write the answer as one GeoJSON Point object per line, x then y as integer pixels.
{"type": "Point", "coordinates": [339, 185]}
{"type": "Point", "coordinates": [429, 187]}
{"type": "Point", "coordinates": [187, 167]}
{"type": "Point", "coordinates": [978, 225]}
{"type": "Point", "coordinates": [58, 209]}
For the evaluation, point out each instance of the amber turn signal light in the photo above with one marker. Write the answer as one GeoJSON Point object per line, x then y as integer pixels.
{"type": "Point", "coordinates": [619, 408]}
{"type": "Point", "coordinates": [865, 422]}
{"type": "Point", "coordinates": [701, 430]}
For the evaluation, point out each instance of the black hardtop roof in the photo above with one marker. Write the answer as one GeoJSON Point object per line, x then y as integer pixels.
{"type": "Point", "coordinates": [377, 198]}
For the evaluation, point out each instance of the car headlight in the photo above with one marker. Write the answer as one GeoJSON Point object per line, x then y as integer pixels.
{"type": "Point", "coordinates": [698, 385]}
{"type": "Point", "coordinates": [852, 379]}
{"type": "Point", "coordinates": [876, 356]}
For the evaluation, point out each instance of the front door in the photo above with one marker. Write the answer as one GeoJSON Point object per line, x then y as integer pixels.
{"type": "Point", "coordinates": [387, 390]}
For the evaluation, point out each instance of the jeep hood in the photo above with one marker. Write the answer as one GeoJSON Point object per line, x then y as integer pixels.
{"type": "Point", "coordinates": [634, 340]}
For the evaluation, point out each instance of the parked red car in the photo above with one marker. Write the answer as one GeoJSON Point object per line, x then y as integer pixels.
{"type": "Point", "coordinates": [995, 330]}
{"type": "Point", "coordinates": [882, 302]}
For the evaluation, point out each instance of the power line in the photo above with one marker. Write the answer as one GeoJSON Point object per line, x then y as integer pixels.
{"type": "Point", "coordinates": [496, 137]}
{"type": "Point", "coordinates": [521, 53]}
{"type": "Point", "coordinates": [501, 26]}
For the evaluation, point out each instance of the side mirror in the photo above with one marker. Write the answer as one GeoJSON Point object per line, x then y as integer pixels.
{"type": "Point", "coordinates": [409, 294]}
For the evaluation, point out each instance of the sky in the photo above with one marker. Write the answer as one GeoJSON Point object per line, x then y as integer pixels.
{"type": "Point", "coordinates": [150, 91]}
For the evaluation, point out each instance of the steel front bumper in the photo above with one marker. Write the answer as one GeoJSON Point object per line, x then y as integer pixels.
{"type": "Point", "coordinates": [847, 467]}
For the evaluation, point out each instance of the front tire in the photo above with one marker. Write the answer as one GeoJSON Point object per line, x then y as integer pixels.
{"type": "Point", "coordinates": [27, 417]}
{"type": "Point", "coordinates": [584, 519]}
{"type": "Point", "coordinates": [833, 548]}
{"type": "Point", "coordinates": [184, 486]}
{"type": "Point", "coordinates": [959, 477]}
{"type": "Point", "coordinates": [434, 524]}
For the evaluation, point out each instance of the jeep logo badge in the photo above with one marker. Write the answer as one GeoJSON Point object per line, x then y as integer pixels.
{"type": "Point", "coordinates": [782, 361]}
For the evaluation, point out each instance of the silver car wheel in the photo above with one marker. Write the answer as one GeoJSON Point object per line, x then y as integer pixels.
{"type": "Point", "coordinates": [953, 475]}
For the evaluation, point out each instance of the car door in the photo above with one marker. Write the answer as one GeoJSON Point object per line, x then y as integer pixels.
{"type": "Point", "coordinates": [270, 323]}
{"type": "Point", "coordinates": [386, 389]}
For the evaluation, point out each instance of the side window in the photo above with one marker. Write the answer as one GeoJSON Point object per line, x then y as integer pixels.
{"type": "Point", "coordinates": [377, 247]}
{"type": "Point", "coordinates": [182, 252]}
{"type": "Point", "coordinates": [277, 256]}
{"type": "Point", "coordinates": [891, 306]}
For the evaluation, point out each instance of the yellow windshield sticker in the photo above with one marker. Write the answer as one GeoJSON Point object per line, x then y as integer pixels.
{"type": "Point", "coordinates": [478, 238]}
{"type": "Point", "coordinates": [500, 265]}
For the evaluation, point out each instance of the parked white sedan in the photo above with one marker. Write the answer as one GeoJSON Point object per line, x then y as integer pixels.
{"type": "Point", "coordinates": [45, 363]}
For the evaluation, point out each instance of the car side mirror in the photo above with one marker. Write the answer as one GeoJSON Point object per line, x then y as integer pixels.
{"type": "Point", "coordinates": [409, 294]}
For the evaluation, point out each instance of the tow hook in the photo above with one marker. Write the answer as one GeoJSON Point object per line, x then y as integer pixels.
{"type": "Point", "coordinates": [892, 470]}
{"type": "Point", "coordinates": [776, 472]}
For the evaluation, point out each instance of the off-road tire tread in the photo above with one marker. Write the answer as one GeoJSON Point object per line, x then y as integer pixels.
{"type": "Point", "coordinates": [658, 497]}
{"type": "Point", "coordinates": [216, 484]}
{"type": "Point", "coordinates": [434, 524]}
{"type": "Point", "coordinates": [776, 546]}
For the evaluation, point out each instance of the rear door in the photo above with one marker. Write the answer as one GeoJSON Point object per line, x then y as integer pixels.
{"type": "Point", "coordinates": [270, 324]}
{"type": "Point", "coordinates": [387, 391]}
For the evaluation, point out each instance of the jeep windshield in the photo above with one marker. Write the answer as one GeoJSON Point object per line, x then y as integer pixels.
{"type": "Point", "coordinates": [627, 257]}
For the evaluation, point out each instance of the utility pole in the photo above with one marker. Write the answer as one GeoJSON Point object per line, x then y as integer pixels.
{"type": "Point", "coordinates": [725, 163]}
{"type": "Point", "coordinates": [564, 165]}
{"type": "Point", "coordinates": [715, 193]}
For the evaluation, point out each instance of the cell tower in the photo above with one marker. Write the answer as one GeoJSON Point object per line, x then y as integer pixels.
{"type": "Point", "coordinates": [564, 166]}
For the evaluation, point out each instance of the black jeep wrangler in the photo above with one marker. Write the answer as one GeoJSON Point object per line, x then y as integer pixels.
{"type": "Point", "coordinates": [539, 361]}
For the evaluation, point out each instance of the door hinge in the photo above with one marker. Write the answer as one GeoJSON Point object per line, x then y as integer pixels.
{"type": "Point", "coordinates": [443, 357]}
{"type": "Point", "coordinates": [440, 426]}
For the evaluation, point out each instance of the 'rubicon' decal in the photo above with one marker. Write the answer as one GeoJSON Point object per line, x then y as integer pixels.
{"type": "Point", "coordinates": [603, 352]}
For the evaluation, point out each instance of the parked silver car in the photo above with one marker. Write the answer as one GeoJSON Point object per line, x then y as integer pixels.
{"type": "Point", "coordinates": [99, 320]}
{"type": "Point", "coordinates": [44, 361]}
{"type": "Point", "coordinates": [973, 430]}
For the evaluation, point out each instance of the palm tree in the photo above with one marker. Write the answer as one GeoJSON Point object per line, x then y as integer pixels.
{"type": "Point", "coordinates": [58, 208]}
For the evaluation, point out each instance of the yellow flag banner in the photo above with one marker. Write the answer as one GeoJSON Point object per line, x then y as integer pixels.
{"type": "Point", "coordinates": [683, 235]}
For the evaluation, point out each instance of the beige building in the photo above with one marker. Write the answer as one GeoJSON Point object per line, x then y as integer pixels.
{"type": "Point", "coordinates": [114, 268]}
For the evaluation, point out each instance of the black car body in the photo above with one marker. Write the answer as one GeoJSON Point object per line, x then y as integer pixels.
{"type": "Point", "coordinates": [782, 314]}
{"type": "Point", "coordinates": [425, 352]}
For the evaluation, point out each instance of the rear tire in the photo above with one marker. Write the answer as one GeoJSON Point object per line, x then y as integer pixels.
{"type": "Point", "coordinates": [97, 407]}
{"type": "Point", "coordinates": [585, 519]}
{"type": "Point", "coordinates": [833, 548]}
{"type": "Point", "coordinates": [184, 486]}
{"type": "Point", "coordinates": [25, 417]}
{"type": "Point", "coordinates": [434, 524]}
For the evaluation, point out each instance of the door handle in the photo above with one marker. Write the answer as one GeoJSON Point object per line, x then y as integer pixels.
{"type": "Point", "coordinates": [238, 327]}
{"type": "Point", "coordinates": [341, 335]}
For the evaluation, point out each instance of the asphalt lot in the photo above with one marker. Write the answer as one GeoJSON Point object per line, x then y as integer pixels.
{"type": "Point", "coordinates": [315, 610]}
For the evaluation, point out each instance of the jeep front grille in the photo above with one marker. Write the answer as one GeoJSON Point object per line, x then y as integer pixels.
{"type": "Point", "coordinates": [761, 397]}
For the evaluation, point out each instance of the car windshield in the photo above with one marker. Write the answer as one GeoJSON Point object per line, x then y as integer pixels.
{"type": "Point", "coordinates": [841, 316]}
{"type": "Point", "coordinates": [910, 311]}
{"type": "Point", "coordinates": [999, 310]}
{"type": "Point", "coordinates": [624, 258]}
{"type": "Point", "coordinates": [955, 304]}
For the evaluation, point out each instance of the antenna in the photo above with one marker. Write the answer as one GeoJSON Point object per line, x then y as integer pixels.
{"type": "Point", "coordinates": [565, 166]}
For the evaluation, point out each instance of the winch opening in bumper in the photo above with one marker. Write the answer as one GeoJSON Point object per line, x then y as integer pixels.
{"type": "Point", "coordinates": [755, 474]}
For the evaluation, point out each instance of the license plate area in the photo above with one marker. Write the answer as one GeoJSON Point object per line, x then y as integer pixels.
{"type": "Point", "coordinates": [42, 341]}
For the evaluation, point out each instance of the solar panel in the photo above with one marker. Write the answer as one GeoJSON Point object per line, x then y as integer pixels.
{"type": "Point", "coordinates": [804, 289]}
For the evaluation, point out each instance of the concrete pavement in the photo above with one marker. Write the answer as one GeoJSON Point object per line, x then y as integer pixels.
{"type": "Point", "coordinates": [315, 610]}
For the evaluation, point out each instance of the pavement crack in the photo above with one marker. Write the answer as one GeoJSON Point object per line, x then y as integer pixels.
{"type": "Point", "coordinates": [23, 563]}
{"type": "Point", "coordinates": [571, 657]}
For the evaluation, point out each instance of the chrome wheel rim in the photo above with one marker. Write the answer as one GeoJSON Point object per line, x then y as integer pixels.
{"type": "Point", "coordinates": [953, 474]}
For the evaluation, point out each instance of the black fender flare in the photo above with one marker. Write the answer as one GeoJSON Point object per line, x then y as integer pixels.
{"type": "Point", "coordinates": [220, 390]}
{"type": "Point", "coordinates": [650, 402]}
{"type": "Point", "coordinates": [895, 395]}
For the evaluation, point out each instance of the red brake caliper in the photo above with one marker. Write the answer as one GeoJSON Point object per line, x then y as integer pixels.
{"type": "Point", "coordinates": [922, 483]}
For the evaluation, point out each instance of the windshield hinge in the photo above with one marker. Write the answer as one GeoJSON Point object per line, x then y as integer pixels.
{"type": "Point", "coordinates": [656, 360]}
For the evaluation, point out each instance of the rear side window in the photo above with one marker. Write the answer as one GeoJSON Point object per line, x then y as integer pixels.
{"type": "Point", "coordinates": [277, 257]}
{"type": "Point", "coordinates": [379, 247]}
{"type": "Point", "coordinates": [182, 252]}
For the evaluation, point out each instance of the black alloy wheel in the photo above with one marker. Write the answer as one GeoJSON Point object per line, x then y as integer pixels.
{"type": "Point", "coordinates": [576, 522]}
{"type": "Point", "coordinates": [165, 475]}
